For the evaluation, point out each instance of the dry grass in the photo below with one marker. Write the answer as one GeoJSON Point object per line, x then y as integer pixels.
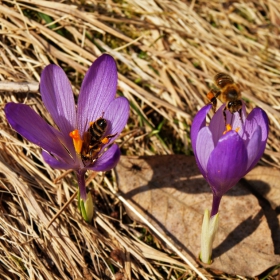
{"type": "Point", "coordinates": [167, 53]}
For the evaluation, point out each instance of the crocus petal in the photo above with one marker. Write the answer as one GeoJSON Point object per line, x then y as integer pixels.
{"type": "Point", "coordinates": [116, 115]}
{"type": "Point", "coordinates": [199, 121]}
{"type": "Point", "coordinates": [55, 163]}
{"type": "Point", "coordinates": [226, 163]}
{"type": "Point", "coordinates": [204, 147]}
{"type": "Point", "coordinates": [108, 160]}
{"type": "Point", "coordinates": [217, 125]}
{"type": "Point", "coordinates": [97, 91]}
{"type": "Point", "coordinates": [256, 118]}
{"type": "Point", "coordinates": [253, 147]}
{"type": "Point", "coordinates": [58, 98]}
{"type": "Point", "coordinates": [30, 125]}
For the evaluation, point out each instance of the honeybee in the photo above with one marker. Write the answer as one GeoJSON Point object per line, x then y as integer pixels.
{"type": "Point", "coordinates": [228, 92]}
{"type": "Point", "coordinates": [94, 140]}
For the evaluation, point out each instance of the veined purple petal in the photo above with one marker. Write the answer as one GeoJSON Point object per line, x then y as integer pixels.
{"type": "Point", "coordinates": [253, 146]}
{"type": "Point", "coordinates": [199, 121]}
{"type": "Point", "coordinates": [55, 163]}
{"type": "Point", "coordinates": [217, 125]}
{"type": "Point", "coordinates": [227, 163]}
{"type": "Point", "coordinates": [204, 147]}
{"type": "Point", "coordinates": [257, 118]}
{"type": "Point", "coordinates": [58, 98]}
{"type": "Point", "coordinates": [30, 125]}
{"type": "Point", "coordinates": [116, 115]}
{"type": "Point", "coordinates": [97, 91]}
{"type": "Point", "coordinates": [108, 160]}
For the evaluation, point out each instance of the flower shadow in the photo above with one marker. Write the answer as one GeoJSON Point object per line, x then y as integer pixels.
{"type": "Point", "coordinates": [177, 177]}
{"type": "Point", "coordinates": [243, 230]}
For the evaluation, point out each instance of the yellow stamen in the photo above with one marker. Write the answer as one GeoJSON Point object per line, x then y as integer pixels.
{"type": "Point", "coordinates": [77, 140]}
{"type": "Point", "coordinates": [229, 128]}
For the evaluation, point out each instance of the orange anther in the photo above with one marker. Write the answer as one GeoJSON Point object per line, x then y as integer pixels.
{"type": "Point", "coordinates": [77, 141]}
{"type": "Point", "coordinates": [229, 128]}
{"type": "Point", "coordinates": [74, 134]}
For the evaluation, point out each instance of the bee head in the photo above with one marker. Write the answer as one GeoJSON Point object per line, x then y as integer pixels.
{"type": "Point", "coordinates": [234, 106]}
{"type": "Point", "coordinates": [102, 123]}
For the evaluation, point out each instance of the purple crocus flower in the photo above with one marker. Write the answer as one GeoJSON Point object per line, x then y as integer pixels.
{"type": "Point", "coordinates": [96, 100]}
{"type": "Point", "coordinates": [223, 155]}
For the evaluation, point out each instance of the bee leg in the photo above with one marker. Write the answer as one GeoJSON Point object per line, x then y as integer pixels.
{"type": "Point", "coordinates": [106, 139]}
{"type": "Point", "coordinates": [240, 114]}
{"type": "Point", "coordinates": [225, 115]}
{"type": "Point", "coordinates": [111, 135]}
{"type": "Point", "coordinates": [214, 104]}
{"type": "Point", "coordinates": [212, 96]}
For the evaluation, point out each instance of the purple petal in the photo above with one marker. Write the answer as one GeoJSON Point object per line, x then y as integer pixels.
{"type": "Point", "coordinates": [55, 163]}
{"type": "Point", "coordinates": [97, 91]}
{"type": "Point", "coordinates": [58, 98]}
{"type": "Point", "coordinates": [199, 121]}
{"type": "Point", "coordinates": [227, 163]}
{"type": "Point", "coordinates": [108, 160]}
{"type": "Point", "coordinates": [217, 125]}
{"type": "Point", "coordinates": [117, 115]}
{"type": "Point", "coordinates": [256, 118]}
{"type": "Point", "coordinates": [254, 146]}
{"type": "Point", "coordinates": [204, 147]}
{"type": "Point", "coordinates": [30, 125]}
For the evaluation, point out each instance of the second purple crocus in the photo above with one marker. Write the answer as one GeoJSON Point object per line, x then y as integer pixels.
{"type": "Point", "coordinates": [96, 99]}
{"type": "Point", "coordinates": [224, 154]}
{"type": "Point", "coordinates": [224, 157]}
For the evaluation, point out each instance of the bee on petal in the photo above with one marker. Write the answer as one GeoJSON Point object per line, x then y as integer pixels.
{"type": "Point", "coordinates": [94, 139]}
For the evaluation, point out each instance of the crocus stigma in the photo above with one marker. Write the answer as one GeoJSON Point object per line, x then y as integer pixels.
{"type": "Point", "coordinates": [77, 143]}
{"type": "Point", "coordinates": [224, 154]}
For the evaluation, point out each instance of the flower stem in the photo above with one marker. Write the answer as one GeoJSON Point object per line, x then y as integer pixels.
{"type": "Point", "coordinates": [82, 183]}
{"type": "Point", "coordinates": [215, 205]}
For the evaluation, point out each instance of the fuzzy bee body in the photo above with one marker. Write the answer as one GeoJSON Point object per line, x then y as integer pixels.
{"type": "Point", "coordinates": [94, 140]}
{"type": "Point", "coordinates": [228, 92]}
